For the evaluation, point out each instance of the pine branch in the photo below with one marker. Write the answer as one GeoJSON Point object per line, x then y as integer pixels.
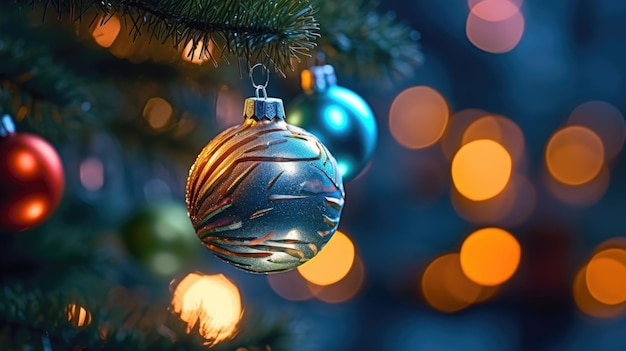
{"type": "Point", "coordinates": [271, 32]}
{"type": "Point", "coordinates": [32, 83]}
{"type": "Point", "coordinates": [356, 38]}
{"type": "Point", "coordinates": [118, 321]}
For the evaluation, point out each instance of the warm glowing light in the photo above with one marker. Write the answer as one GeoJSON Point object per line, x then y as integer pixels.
{"type": "Point", "coordinates": [574, 155]}
{"type": "Point", "coordinates": [606, 121]}
{"type": "Point", "coordinates": [583, 195]}
{"type": "Point", "coordinates": [197, 53]}
{"type": "Point", "coordinates": [332, 263]}
{"type": "Point", "coordinates": [418, 117]}
{"type": "Point", "coordinates": [29, 210]}
{"type": "Point", "coordinates": [481, 169]}
{"type": "Point", "coordinates": [451, 141]}
{"type": "Point", "coordinates": [606, 276]}
{"type": "Point", "coordinates": [343, 290]}
{"type": "Point", "coordinates": [446, 288]}
{"type": "Point", "coordinates": [107, 31]}
{"type": "Point", "coordinates": [23, 164]}
{"type": "Point", "coordinates": [490, 256]}
{"type": "Point", "coordinates": [499, 129]}
{"type": "Point", "coordinates": [510, 207]}
{"type": "Point", "coordinates": [495, 26]}
{"type": "Point", "coordinates": [290, 286]}
{"type": "Point", "coordinates": [228, 108]}
{"type": "Point", "coordinates": [78, 315]}
{"type": "Point", "coordinates": [92, 174]}
{"type": "Point", "coordinates": [158, 113]}
{"type": "Point", "coordinates": [212, 301]}
{"type": "Point", "coordinates": [588, 304]}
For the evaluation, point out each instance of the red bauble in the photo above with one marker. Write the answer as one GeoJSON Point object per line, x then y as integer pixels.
{"type": "Point", "coordinates": [31, 181]}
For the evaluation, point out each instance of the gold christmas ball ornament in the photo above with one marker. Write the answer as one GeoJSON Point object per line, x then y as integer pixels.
{"type": "Point", "coordinates": [265, 196]}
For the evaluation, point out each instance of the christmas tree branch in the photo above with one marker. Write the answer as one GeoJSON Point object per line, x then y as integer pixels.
{"type": "Point", "coordinates": [356, 38]}
{"type": "Point", "coordinates": [271, 32]}
{"type": "Point", "coordinates": [116, 321]}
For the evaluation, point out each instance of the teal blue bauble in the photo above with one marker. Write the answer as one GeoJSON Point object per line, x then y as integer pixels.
{"type": "Point", "coordinates": [338, 117]}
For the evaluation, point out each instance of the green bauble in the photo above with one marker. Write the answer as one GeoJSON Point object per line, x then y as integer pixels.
{"type": "Point", "coordinates": [161, 238]}
{"type": "Point", "coordinates": [338, 117]}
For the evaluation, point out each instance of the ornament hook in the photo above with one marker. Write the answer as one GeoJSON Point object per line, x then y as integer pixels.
{"type": "Point", "coordinates": [260, 87]}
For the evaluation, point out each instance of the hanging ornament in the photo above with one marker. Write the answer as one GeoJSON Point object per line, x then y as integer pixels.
{"type": "Point", "coordinates": [160, 237]}
{"type": "Point", "coordinates": [31, 178]}
{"type": "Point", "coordinates": [338, 117]}
{"type": "Point", "coordinates": [265, 196]}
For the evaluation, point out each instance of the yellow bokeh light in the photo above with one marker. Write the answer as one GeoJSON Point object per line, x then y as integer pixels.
{"type": "Point", "coordinates": [107, 31]}
{"type": "Point", "coordinates": [418, 117]}
{"type": "Point", "coordinates": [495, 26]}
{"type": "Point", "coordinates": [606, 276]}
{"type": "Point", "coordinates": [212, 301]}
{"type": "Point", "coordinates": [606, 121]}
{"type": "Point", "coordinates": [574, 155]}
{"type": "Point", "coordinates": [481, 169]}
{"type": "Point", "coordinates": [446, 288]}
{"type": "Point", "coordinates": [588, 304]}
{"type": "Point", "coordinates": [78, 315]}
{"type": "Point", "coordinates": [197, 53]}
{"type": "Point", "coordinates": [158, 113]}
{"type": "Point", "coordinates": [499, 129]}
{"type": "Point", "coordinates": [332, 263]}
{"type": "Point", "coordinates": [510, 207]}
{"type": "Point", "coordinates": [490, 256]}
{"type": "Point", "coordinates": [343, 290]}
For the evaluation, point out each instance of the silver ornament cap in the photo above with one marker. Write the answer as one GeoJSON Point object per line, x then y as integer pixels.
{"type": "Point", "coordinates": [267, 108]}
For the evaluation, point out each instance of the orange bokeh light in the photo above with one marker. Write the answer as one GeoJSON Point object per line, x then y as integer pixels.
{"type": "Point", "coordinates": [499, 129]}
{"type": "Point", "coordinates": [490, 256]}
{"type": "Point", "coordinates": [446, 288]}
{"type": "Point", "coordinates": [343, 290]}
{"type": "Point", "coordinates": [452, 139]}
{"type": "Point", "coordinates": [574, 155]}
{"type": "Point", "coordinates": [212, 301]}
{"type": "Point", "coordinates": [107, 30]}
{"type": "Point", "coordinates": [197, 53]}
{"type": "Point", "coordinates": [158, 113]}
{"type": "Point", "coordinates": [418, 117]}
{"type": "Point", "coordinates": [495, 26]}
{"type": "Point", "coordinates": [481, 169]}
{"type": "Point", "coordinates": [606, 121]}
{"type": "Point", "coordinates": [588, 304]}
{"type": "Point", "coordinates": [332, 263]}
{"type": "Point", "coordinates": [510, 207]}
{"type": "Point", "coordinates": [606, 276]}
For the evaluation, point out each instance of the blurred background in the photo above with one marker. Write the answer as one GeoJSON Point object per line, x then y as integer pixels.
{"type": "Point", "coordinates": [489, 216]}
